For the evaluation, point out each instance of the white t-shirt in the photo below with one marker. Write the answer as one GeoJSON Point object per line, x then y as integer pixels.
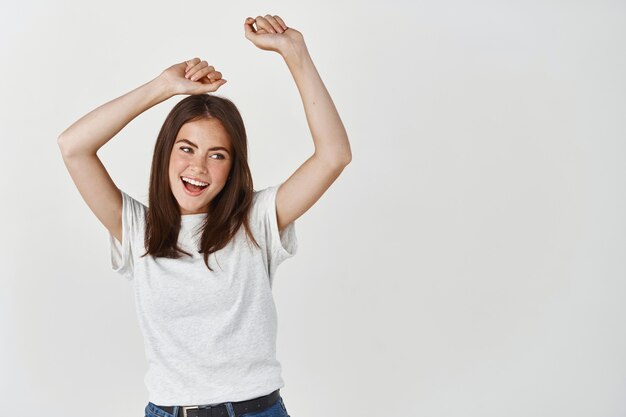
{"type": "Point", "coordinates": [209, 337]}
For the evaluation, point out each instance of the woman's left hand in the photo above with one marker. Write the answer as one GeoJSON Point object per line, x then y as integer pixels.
{"type": "Point", "coordinates": [272, 34]}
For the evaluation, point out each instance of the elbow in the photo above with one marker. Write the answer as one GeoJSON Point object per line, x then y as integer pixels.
{"type": "Point", "coordinates": [66, 149]}
{"type": "Point", "coordinates": [62, 144]}
{"type": "Point", "coordinates": [345, 158]}
{"type": "Point", "coordinates": [339, 161]}
{"type": "Point", "coordinates": [347, 154]}
{"type": "Point", "coordinates": [344, 162]}
{"type": "Point", "coordinates": [338, 156]}
{"type": "Point", "coordinates": [62, 140]}
{"type": "Point", "coordinates": [61, 137]}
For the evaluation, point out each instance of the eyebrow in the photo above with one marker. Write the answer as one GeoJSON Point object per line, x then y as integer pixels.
{"type": "Point", "coordinates": [215, 148]}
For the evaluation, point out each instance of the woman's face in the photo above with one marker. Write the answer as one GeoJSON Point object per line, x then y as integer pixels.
{"type": "Point", "coordinates": [202, 151]}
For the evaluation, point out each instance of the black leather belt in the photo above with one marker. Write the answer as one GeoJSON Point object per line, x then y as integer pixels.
{"type": "Point", "coordinates": [219, 410]}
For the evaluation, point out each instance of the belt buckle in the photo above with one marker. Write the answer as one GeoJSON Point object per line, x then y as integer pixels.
{"type": "Point", "coordinates": [187, 408]}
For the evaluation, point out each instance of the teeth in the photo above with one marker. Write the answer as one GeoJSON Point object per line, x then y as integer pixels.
{"type": "Point", "coordinates": [194, 182]}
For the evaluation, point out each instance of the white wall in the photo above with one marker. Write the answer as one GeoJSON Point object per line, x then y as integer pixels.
{"type": "Point", "coordinates": [471, 261]}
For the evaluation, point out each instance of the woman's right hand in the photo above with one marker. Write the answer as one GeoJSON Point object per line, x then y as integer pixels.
{"type": "Point", "coordinates": [192, 77]}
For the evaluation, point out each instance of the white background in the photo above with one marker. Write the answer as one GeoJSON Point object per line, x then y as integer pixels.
{"type": "Point", "coordinates": [470, 261]}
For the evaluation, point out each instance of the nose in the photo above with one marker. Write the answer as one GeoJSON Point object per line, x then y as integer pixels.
{"type": "Point", "coordinates": [198, 165]}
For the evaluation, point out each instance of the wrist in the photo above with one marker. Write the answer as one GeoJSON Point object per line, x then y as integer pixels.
{"type": "Point", "coordinates": [294, 50]}
{"type": "Point", "coordinates": [162, 88]}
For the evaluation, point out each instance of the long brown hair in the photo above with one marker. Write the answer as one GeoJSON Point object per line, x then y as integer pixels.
{"type": "Point", "coordinates": [227, 211]}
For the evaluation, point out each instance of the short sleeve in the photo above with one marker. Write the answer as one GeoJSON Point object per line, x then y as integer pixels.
{"type": "Point", "coordinates": [279, 246]}
{"type": "Point", "coordinates": [133, 213]}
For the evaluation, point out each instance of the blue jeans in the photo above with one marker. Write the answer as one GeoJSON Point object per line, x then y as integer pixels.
{"type": "Point", "coordinates": [278, 409]}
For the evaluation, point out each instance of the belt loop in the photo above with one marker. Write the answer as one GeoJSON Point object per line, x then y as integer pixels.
{"type": "Point", "coordinates": [230, 410]}
{"type": "Point", "coordinates": [184, 409]}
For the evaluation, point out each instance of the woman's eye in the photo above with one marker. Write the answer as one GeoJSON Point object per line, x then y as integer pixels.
{"type": "Point", "coordinates": [185, 149]}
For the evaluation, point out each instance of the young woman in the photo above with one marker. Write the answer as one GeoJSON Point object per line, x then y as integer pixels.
{"type": "Point", "coordinates": [202, 255]}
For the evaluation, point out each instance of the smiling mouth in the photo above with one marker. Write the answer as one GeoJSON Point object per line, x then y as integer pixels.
{"type": "Point", "coordinates": [193, 189]}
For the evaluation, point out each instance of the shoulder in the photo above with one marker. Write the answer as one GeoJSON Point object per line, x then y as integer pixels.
{"type": "Point", "coordinates": [263, 207]}
{"type": "Point", "coordinates": [267, 192]}
{"type": "Point", "coordinates": [262, 200]}
{"type": "Point", "coordinates": [132, 208]}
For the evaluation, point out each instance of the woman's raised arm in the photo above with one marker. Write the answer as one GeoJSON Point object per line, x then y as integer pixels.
{"type": "Point", "coordinates": [332, 149]}
{"type": "Point", "coordinates": [80, 142]}
{"type": "Point", "coordinates": [92, 131]}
